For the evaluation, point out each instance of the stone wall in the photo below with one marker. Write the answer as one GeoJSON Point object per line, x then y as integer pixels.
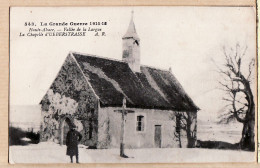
{"type": "Point", "coordinates": [70, 97]}
{"type": "Point", "coordinates": [110, 127]}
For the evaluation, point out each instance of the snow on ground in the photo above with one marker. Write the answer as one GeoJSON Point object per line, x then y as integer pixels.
{"type": "Point", "coordinates": [49, 152]}
{"type": "Point", "coordinates": [209, 130]}
{"type": "Point", "coordinates": [26, 139]}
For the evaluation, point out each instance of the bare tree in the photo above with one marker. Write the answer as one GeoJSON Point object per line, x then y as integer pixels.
{"type": "Point", "coordinates": [235, 82]}
{"type": "Point", "coordinates": [185, 122]}
{"type": "Point", "coordinates": [180, 124]}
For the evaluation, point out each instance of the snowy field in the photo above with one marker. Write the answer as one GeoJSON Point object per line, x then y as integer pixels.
{"type": "Point", "coordinates": [49, 152]}
{"type": "Point", "coordinates": [208, 130]}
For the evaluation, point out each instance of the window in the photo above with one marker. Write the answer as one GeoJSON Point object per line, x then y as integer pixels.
{"type": "Point", "coordinates": [125, 54]}
{"type": "Point", "coordinates": [140, 123]}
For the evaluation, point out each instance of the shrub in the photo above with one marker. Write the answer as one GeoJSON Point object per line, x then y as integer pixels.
{"type": "Point", "coordinates": [16, 135]}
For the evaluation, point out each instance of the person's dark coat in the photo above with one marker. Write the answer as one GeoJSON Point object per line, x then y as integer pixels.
{"type": "Point", "coordinates": [72, 140]}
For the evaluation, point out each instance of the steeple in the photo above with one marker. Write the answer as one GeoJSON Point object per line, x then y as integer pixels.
{"type": "Point", "coordinates": [131, 46]}
{"type": "Point", "coordinates": [131, 31]}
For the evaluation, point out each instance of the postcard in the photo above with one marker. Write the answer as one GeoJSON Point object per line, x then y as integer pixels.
{"type": "Point", "coordinates": [158, 84]}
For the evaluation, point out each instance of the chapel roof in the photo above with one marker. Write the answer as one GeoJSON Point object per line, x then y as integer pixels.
{"type": "Point", "coordinates": [151, 88]}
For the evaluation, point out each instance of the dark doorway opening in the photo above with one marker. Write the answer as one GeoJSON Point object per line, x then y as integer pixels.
{"type": "Point", "coordinates": [66, 128]}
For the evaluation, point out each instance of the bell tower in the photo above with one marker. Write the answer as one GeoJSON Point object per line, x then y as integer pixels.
{"type": "Point", "coordinates": [131, 47]}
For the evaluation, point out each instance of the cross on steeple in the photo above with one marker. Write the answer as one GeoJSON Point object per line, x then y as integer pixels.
{"type": "Point", "coordinates": [131, 31]}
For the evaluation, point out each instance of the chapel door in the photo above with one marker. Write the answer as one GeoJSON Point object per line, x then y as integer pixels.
{"type": "Point", "coordinates": [158, 136]}
{"type": "Point", "coordinates": [66, 129]}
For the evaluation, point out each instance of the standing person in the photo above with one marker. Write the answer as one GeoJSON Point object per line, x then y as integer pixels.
{"type": "Point", "coordinates": [72, 140]}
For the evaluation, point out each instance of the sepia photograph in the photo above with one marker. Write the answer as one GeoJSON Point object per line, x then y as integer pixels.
{"type": "Point", "coordinates": [132, 84]}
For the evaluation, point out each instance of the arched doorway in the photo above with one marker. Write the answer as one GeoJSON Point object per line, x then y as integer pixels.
{"type": "Point", "coordinates": [65, 126]}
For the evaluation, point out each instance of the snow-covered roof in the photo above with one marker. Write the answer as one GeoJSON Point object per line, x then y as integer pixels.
{"type": "Point", "coordinates": [113, 80]}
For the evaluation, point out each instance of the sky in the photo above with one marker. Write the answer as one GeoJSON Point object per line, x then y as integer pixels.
{"type": "Point", "coordinates": [186, 39]}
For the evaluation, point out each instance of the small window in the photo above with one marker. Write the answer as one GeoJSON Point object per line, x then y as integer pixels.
{"type": "Point", "coordinates": [125, 53]}
{"type": "Point", "coordinates": [140, 123]}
